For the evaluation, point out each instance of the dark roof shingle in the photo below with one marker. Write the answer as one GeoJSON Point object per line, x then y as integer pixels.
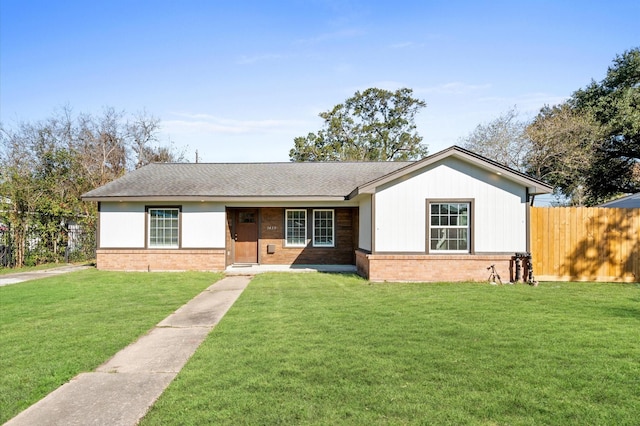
{"type": "Point", "coordinates": [245, 180]}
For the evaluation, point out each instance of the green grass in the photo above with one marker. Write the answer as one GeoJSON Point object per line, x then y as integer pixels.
{"type": "Point", "coordinates": [330, 349]}
{"type": "Point", "coordinates": [54, 328]}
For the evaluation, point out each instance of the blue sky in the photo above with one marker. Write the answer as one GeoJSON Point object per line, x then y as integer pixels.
{"type": "Point", "coordinates": [238, 80]}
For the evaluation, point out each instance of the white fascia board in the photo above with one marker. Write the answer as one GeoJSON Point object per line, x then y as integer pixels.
{"type": "Point", "coordinates": [534, 187]}
{"type": "Point", "coordinates": [177, 199]}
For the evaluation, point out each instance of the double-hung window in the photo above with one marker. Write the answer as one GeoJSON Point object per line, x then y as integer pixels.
{"type": "Point", "coordinates": [164, 228]}
{"type": "Point", "coordinates": [323, 228]}
{"type": "Point", "coordinates": [449, 227]}
{"type": "Point", "coordinates": [296, 228]}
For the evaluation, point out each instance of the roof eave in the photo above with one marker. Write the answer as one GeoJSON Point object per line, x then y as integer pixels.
{"type": "Point", "coordinates": [534, 186]}
{"type": "Point", "coordinates": [212, 198]}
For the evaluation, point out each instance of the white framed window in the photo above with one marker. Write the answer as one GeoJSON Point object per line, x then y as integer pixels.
{"type": "Point", "coordinates": [323, 228]}
{"type": "Point", "coordinates": [296, 228]}
{"type": "Point", "coordinates": [164, 227]}
{"type": "Point", "coordinates": [449, 227]}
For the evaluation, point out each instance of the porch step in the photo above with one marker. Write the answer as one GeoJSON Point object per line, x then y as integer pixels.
{"type": "Point", "coordinates": [252, 269]}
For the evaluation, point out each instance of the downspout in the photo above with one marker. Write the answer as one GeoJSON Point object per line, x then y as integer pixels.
{"type": "Point", "coordinates": [97, 229]}
{"type": "Point", "coordinates": [373, 234]}
{"type": "Point", "coordinates": [530, 278]}
{"type": "Point", "coordinates": [373, 223]}
{"type": "Point", "coordinates": [530, 199]}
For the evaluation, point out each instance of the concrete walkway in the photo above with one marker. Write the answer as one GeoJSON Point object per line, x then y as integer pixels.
{"type": "Point", "coordinates": [19, 277]}
{"type": "Point", "coordinates": [121, 391]}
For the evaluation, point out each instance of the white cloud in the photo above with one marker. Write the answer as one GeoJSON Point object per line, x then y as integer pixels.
{"type": "Point", "coordinates": [249, 60]}
{"type": "Point", "coordinates": [228, 139]}
{"type": "Point", "coordinates": [205, 123]}
{"type": "Point", "coordinates": [402, 45]}
{"type": "Point", "coordinates": [527, 103]}
{"type": "Point", "coordinates": [449, 118]}
{"type": "Point", "coordinates": [453, 88]}
{"type": "Point", "coordinates": [336, 35]}
{"type": "Point", "coordinates": [382, 84]}
{"type": "Point", "coordinates": [406, 45]}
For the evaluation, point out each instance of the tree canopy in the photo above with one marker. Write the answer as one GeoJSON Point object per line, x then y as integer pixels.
{"type": "Point", "coordinates": [614, 104]}
{"type": "Point", "coordinates": [502, 139]}
{"type": "Point", "coordinates": [45, 167]}
{"type": "Point", "coordinates": [588, 147]}
{"type": "Point", "coordinates": [373, 125]}
{"type": "Point", "coordinates": [560, 151]}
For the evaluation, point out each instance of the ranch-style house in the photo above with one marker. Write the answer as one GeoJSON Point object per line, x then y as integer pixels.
{"type": "Point", "coordinates": [446, 217]}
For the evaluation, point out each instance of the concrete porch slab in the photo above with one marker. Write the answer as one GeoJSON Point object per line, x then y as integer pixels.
{"type": "Point", "coordinates": [258, 269]}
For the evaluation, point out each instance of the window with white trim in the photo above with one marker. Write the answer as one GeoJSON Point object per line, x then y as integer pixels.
{"type": "Point", "coordinates": [449, 227]}
{"type": "Point", "coordinates": [323, 228]}
{"type": "Point", "coordinates": [164, 227]}
{"type": "Point", "coordinates": [296, 228]}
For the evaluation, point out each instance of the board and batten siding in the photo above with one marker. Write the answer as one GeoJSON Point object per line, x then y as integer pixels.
{"type": "Point", "coordinates": [364, 224]}
{"type": "Point", "coordinates": [499, 208]}
{"type": "Point", "coordinates": [122, 225]}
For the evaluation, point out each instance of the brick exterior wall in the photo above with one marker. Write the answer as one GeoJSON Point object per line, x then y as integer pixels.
{"type": "Point", "coordinates": [431, 268]}
{"type": "Point", "coordinates": [362, 263]}
{"type": "Point", "coordinates": [375, 267]}
{"type": "Point", "coordinates": [272, 232]}
{"type": "Point", "coordinates": [160, 260]}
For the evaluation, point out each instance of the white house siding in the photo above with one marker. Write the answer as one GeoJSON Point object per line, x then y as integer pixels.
{"type": "Point", "coordinates": [499, 221]}
{"type": "Point", "coordinates": [122, 225]}
{"type": "Point", "coordinates": [203, 225]}
{"type": "Point", "coordinates": [364, 226]}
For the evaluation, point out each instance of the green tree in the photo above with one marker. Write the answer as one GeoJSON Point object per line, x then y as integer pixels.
{"type": "Point", "coordinates": [18, 192]}
{"type": "Point", "coordinates": [41, 186]}
{"type": "Point", "coordinates": [373, 125]}
{"type": "Point", "coordinates": [46, 166]}
{"type": "Point", "coordinates": [561, 146]}
{"type": "Point", "coordinates": [614, 103]}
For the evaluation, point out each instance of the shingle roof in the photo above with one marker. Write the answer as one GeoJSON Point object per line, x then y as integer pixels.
{"type": "Point", "coordinates": [244, 180]}
{"type": "Point", "coordinates": [534, 186]}
{"type": "Point", "coordinates": [285, 180]}
{"type": "Point", "coordinates": [630, 201]}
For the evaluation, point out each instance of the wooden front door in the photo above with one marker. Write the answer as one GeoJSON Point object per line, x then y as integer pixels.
{"type": "Point", "coordinates": [246, 236]}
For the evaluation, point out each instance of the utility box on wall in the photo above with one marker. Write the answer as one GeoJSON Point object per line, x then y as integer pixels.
{"type": "Point", "coordinates": [271, 248]}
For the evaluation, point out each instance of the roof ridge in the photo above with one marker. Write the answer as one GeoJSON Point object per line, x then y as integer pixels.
{"type": "Point", "coordinates": [279, 162]}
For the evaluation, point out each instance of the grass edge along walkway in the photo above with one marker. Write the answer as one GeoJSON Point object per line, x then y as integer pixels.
{"type": "Point", "coordinates": [332, 349]}
{"type": "Point", "coordinates": [55, 328]}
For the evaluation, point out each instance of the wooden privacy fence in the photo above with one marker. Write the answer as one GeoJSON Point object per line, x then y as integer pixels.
{"type": "Point", "coordinates": [585, 244]}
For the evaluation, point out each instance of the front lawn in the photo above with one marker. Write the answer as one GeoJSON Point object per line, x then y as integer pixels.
{"type": "Point", "coordinates": [332, 349]}
{"type": "Point", "coordinates": [54, 328]}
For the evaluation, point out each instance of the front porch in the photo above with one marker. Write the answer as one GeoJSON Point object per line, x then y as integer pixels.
{"type": "Point", "coordinates": [258, 269]}
{"type": "Point", "coordinates": [291, 236]}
